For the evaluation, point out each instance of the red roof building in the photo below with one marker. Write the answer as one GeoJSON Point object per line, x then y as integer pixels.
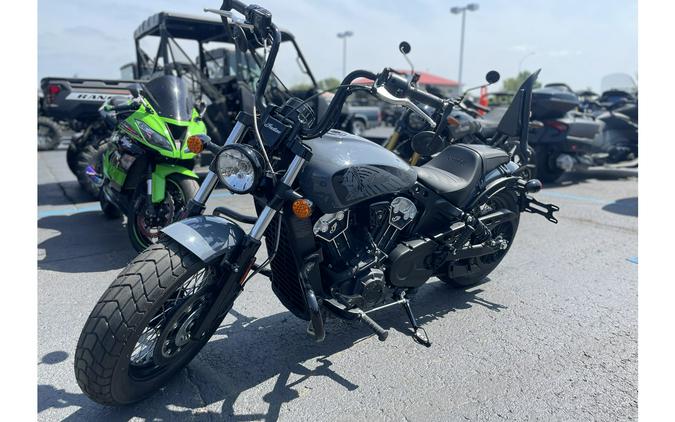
{"type": "Point", "coordinates": [448, 86]}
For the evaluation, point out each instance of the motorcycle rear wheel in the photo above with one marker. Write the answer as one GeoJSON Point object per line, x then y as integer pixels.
{"type": "Point", "coordinates": [138, 335]}
{"type": "Point", "coordinates": [474, 270]}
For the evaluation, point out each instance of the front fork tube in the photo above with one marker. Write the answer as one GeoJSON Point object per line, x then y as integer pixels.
{"type": "Point", "coordinates": [242, 262]}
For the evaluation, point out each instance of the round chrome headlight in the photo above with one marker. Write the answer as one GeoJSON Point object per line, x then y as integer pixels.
{"type": "Point", "coordinates": [239, 168]}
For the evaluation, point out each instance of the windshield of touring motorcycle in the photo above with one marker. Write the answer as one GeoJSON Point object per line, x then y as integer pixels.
{"type": "Point", "coordinates": [170, 97]}
{"type": "Point", "coordinates": [618, 81]}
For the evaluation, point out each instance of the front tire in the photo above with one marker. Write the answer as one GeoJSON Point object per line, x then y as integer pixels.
{"type": "Point", "coordinates": [358, 126]}
{"type": "Point", "coordinates": [144, 230]}
{"type": "Point", "coordinates": [116, 361]}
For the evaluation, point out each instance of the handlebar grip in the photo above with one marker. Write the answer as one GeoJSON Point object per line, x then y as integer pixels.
{"type": "Point", "coordinates": [425, 98]}
{"type": "Point", "coordinates": [133, 106]}
{"type": "Point", "coordinates": [396, 83]}
{"type": "Point", "coordinates": [234, 4]}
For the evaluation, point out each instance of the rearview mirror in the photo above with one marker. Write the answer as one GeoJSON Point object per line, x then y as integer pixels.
{"type": "Point", "coordinates": [404, 47]}
{"type": "Point", "coordinates": [426, 143]}
{"type": "Point", "coordinates": [492, 76]}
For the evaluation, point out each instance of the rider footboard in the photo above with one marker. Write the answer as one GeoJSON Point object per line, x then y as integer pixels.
{"type": "Point", "coordinates": [529, 204]}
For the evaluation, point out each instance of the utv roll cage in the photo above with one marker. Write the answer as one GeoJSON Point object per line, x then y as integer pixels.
{"type": "Point", "coordinates": [228, 90]}
{"type": "Point", "coordinates": [170, 26]}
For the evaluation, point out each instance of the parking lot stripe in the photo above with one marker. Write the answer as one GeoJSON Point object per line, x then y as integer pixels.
{"type": "Point", "coordinates": [632, 259]}
{"type": "Point", "coordinates": [581, 198]}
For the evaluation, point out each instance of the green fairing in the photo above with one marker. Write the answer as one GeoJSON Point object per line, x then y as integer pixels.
{"type": "Point", "coordinates": [147, 115]}
{"type": "Point", "coordinates": [159, 179]}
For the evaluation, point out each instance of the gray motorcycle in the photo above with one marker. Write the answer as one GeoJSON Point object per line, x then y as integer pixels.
{"type": "Point", "coordinates": [350, 228]}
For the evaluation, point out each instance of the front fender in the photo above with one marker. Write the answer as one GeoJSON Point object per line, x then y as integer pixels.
{"type": "Point", "coordinates": [159, 176]}
{"type": "Point", "coordinates": [207, 236]}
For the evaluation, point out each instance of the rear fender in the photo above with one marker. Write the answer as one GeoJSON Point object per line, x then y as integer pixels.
{"type": "Point", "coordinates": [162, 171]}
{"type": "Point", "coordinates": [207, 236]}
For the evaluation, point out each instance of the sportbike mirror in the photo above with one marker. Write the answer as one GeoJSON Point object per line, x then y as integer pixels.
{"type": "Point", "coordinates": [426, 143]}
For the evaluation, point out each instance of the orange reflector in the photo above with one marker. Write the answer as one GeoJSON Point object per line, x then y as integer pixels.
{"type": "Point", "coordinates": [452, 121]}
{"type": "Point", "coordinates": [195, 144]}
{"type": "Point", "coordinates": [302, 208]}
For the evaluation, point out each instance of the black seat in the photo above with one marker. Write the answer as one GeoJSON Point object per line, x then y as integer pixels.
{"type": "Point", "coordinates": [457, 170]}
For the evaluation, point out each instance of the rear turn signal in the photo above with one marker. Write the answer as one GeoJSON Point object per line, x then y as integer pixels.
{"type": "Point", "coordinates": [195, 144]}
{"type": "Point", "coordinates": [302, 208]}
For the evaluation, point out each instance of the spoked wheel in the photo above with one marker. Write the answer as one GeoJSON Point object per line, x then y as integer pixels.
{"type": "Point", "coordinates": [144, 223]}
{"type": "Point", "coordinates": [143, 329]}
{"type": "Point", "coordinates": [49, 134]}
{"type": "Point", "coordinates": [470, 271]}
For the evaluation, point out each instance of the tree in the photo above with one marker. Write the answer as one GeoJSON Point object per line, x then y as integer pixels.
{"type": "Point", "coordinates": [512, 84]}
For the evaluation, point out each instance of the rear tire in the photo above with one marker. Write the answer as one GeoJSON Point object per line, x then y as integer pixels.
{"type": "Point", "coordinates": [474, 270]}
{"type": "Point", "coordinates": [51, 134]}
{"type": "Point", "coordinates": [546, 169]}
{"type": "Point", "coordinates": [112, 366]}
{"type": "Point", "coordinates": [358, 126]}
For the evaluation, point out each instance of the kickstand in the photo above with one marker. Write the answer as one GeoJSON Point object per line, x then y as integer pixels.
{"type": "Point", "coordinates": [419, 334]}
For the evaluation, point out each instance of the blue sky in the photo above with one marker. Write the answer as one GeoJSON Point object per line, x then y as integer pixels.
{"type": "Point", "coordinates": [573, 41]}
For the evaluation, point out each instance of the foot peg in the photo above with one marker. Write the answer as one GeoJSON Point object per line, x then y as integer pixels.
{"type": "Point", "coordinates": [381, 332]}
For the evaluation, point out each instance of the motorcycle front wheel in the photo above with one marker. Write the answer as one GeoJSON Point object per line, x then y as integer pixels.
{"type": "Point", "coordinates": [140, 333]}
{"type": "Point", "coordinates": [144, 229]}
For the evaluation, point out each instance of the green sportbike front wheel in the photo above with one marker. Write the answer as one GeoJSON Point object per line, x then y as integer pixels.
{"type": "Point", "coordinates": [145, 222]}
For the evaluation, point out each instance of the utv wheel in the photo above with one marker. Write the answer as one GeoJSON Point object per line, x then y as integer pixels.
{"type": "Point", "coordinates": [138, 335]}
{"type": "Point", "coordinates": [468, 272]}
{"type": "Point", "coordinates": [49, 134]}
{"type": "Point", "coordinates": [143, 229]}
{"type": "Point", "coordinates": [546, 169]}
{"type": "Point", "coordinates": [89, 167]}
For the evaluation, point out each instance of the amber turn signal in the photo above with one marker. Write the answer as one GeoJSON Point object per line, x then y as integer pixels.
{"type": "Point", "coordinates": [302, 208]}
{"type": "Point", "coordinates": [195, 144]}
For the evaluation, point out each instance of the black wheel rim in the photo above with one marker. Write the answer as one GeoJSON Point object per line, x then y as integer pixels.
{"type": "Point", "coordinates": [167, 336]}
{"type": "Point", "coordinates": [147, 229]}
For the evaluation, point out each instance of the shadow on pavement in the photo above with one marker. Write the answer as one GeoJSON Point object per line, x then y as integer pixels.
{"type": "Point", "coordinates": [84, 242]}
{"type": "Point", "coordinates": [257, 350]}
{"type": "Point", "coordinates": [62, 193]}
{"type": "Point", "coordinates": [625, 206]}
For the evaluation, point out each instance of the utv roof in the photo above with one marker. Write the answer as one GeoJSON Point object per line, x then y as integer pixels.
{"type": "Point", "coordinates": [191, 27]}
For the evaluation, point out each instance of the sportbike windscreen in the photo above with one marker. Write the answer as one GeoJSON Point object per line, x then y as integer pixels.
{"type": "Point", "coordinates": [170, 97]}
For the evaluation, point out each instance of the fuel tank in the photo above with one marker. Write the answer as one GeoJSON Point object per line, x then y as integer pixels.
{"type": "Point", "coordinates": [346, 169]}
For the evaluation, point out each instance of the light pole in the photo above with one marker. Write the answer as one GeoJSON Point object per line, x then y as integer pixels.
{"type": "Point", "coordinates": [471, 7]}
{"type": "Point", "coordinates": [520, 63]}
{"type": "Point", "coordinates": [344, 36]}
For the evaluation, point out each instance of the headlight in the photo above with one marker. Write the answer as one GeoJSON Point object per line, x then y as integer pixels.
{"type": "Point", "coordinates": [239, 168]}
{"type": "Point", "coordinates": [153, 137]}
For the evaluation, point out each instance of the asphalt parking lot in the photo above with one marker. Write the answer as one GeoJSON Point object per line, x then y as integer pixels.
{"type": "Point", "coordinates": [552, 335]}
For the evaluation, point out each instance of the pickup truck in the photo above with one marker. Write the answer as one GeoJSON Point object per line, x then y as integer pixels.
{"type": "Point", "coordinates": [361, 118]}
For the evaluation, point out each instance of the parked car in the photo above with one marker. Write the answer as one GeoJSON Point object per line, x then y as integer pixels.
{"type": "Point", "coordinates": [361, 118]}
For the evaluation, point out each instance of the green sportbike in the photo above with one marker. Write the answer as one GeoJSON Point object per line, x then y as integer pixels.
{"type": "Point", "coordinates": [144, 169]}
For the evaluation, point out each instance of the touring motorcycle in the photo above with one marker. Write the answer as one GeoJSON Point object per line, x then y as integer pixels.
{"type": "Point", "coordinates": [144, 169]}
{"type": "Point", "coordinates": [349, 228]}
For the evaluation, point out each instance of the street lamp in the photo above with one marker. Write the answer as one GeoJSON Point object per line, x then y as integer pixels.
{"type": "Point", "coordinates": [471, 7]}
{"type": "Point", "coordinates": [344, 36]}
{"type": "Point", "coordinates": [520, 63]}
